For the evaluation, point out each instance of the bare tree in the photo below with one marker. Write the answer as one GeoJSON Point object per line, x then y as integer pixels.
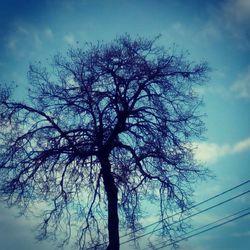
{"type": "Point", "coordinates": [104, 128]}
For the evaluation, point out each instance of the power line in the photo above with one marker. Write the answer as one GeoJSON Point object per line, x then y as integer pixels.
{"type": "Point", "coordinates": [204, 226]}
{"type": "Point", "coordinates": [187, 217]}
{"type": "Point", "coordinates": [178, 213]}
{"type": "Point", "coordinates": [189, 208]}
{"type": "Point", "coordinates": [203, 231]}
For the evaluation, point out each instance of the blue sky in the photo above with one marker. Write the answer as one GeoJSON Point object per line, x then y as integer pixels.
{"type": "Point", "coordinates": [215, 31]}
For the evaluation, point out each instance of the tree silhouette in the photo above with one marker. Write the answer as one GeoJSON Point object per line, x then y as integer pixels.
{"type": "Point", "coordinates": [104, 129]}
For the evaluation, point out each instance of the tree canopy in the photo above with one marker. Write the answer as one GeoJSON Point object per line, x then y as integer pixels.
{"type": "Point", "coordinates": [105, 128]}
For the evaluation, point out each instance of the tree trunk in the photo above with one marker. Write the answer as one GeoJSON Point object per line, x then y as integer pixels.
{"type": "Point", "coordinates": [112, 195]}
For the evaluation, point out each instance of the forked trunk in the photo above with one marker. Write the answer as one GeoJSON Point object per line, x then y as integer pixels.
{"type": "Point", "coordinates": [112, 195]}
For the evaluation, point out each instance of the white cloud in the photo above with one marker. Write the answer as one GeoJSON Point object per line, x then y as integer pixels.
{"type": "Point", "coordinates": [211, 152]}
{"type": "Point", "coordinates": [37, 40]}
{"type": "Point", "coordinates": [240, 87]}
{"type": "Point", "coordinates": [23, 38]}
{"type": "Point", "coordinates": [11, 43]}
{"type": "Point", "coordinates": [48, 33]}
{"type": "Point", "coordinates": [242, 146]}
{"type": "Point", "coordinates": [243, 234]}
{"type": "Point", "coordinates": [235, 17]}
{"type": "Point", "coordinates": [205, 218]}
{"type": "Point", "coordinates": [209, 31]}
{"type": "Point", "coordinates": [70, 39]}
{"type": "Point", "coordinates": [179, 28]}
{"type": "Point", "coordinates": [22, 30]}
{"type": "Point", "coordinates": [242, 84]}
{"type": "Point", "coordinates": [230, 18]}
{"type": "Point", "coordinates": [236, 12]}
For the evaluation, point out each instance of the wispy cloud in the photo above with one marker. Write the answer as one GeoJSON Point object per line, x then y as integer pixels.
{"type": "Point", "coordinates": [11, 43]}
{"type": "Point", "coordinates": [211, 152]}
{"type": "Point", "coordinates": [23, 38]}
{"type": "Point", "coordinates": [240, 235]}
{"type": "Point", "coordinates": [48, 33]}
{"type": "Point", "coordinates": [241, 146]}
{"type": "Point", "coordinates": [205, 218]}
{"type": "Point", "coordinates": [209, 32]}
{"type": "Point", "coordinates": [242, 85]}
{"type": "Point", "coordinates": [236, 17]}
{"type": "Point", "coordinates": [230, 18]}
{"type": "Point", "coordinates": [239, 87]}
{"type": "Point", "coordinates": [70, 39]}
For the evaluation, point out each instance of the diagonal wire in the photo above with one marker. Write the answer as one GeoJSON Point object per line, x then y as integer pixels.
{"type": "Point", "coordinates": [203, 231]}
{"type": "Point", "coordinates": [204, 226]}
{"type": "Point", "coordinates": [178, 213]}
{"type": "Point", "coordinates": [187, 217]}
{"type": "Point", "coordinates": [189, 208]}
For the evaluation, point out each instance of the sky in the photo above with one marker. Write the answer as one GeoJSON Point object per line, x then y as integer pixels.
{"type": "Point", "coordinates": [217, 31]}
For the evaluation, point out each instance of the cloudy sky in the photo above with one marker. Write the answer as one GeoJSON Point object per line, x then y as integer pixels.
{"type": "Point", "coordinates": [212, 30]}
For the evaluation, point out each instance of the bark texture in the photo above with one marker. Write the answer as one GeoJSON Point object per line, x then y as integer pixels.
{"type": "Point", "coordinates": [112, 195]}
